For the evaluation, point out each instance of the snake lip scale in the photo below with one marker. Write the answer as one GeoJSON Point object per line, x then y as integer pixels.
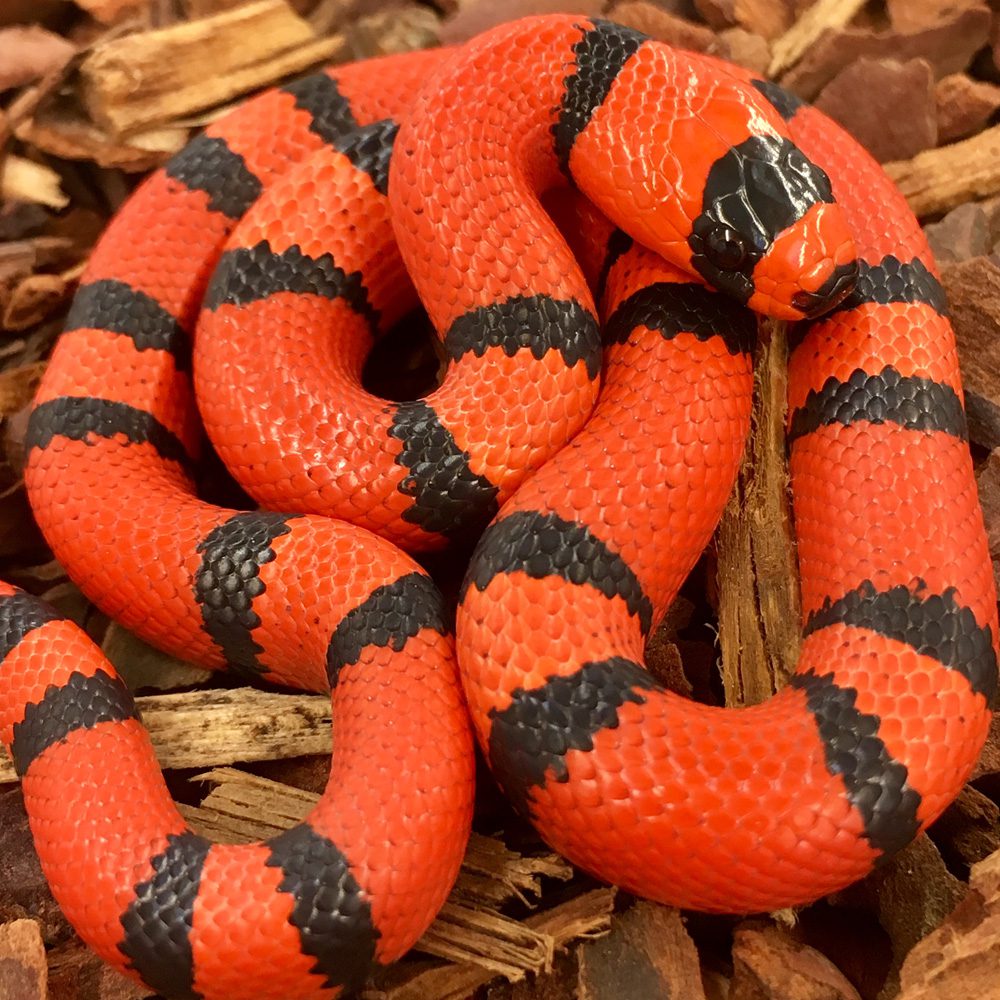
{"type": "Point", "coordinates": [584, 439]}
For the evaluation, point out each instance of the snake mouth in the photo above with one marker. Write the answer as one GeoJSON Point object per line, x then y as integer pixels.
{"type": "Point", "coordinates": [830, 294]}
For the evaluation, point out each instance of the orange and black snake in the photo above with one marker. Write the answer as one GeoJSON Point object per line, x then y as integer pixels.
{"type": "Point", "coordinates": [591, 496]}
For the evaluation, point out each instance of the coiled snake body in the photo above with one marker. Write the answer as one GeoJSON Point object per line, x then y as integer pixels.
{"type": "Point", "coordinates": [722, 177]}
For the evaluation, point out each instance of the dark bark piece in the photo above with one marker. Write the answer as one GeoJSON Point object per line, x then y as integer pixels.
{"type": "Point", "coordinates": [647, 954]}
{"type": "Point", "coordinates": [662, 25]}
{"type": "Point", "coordinates": [907, 15]}
{"type": "Point", "coordinates": [961, 957]}
{"type": "Point", "coordinates": [888, 106]}
{"type": "Point", "coordinates": [964, 105]}
{"type": "Point", "coordinates": [973, 288]}
{"type": "Point", "coordinates": [911, 896]}
{"type": "Point", "coordinates": [948, 46]}
{"type": "Point", "coordinates": [968, 830]}
{"type": "Point", "coordinates": [769, 964]}
{"type": "Point", "coordinates": [963, 233]}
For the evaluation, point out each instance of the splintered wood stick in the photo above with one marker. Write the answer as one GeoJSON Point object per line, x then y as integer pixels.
{"type": "Point", "coordinates": [758, 575]}
{"type": "Point", "coordinates": [939, 179]}
{"type": "Point", "coordinates": [205, 728]}
{"type": "Point", "coordinates": [823, 15]}
{"type": "Point", "coordinates": [135, 81]}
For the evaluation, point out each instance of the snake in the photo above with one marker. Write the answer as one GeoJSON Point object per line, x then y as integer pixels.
{"type": "Point", "coordinates": [581, 445]}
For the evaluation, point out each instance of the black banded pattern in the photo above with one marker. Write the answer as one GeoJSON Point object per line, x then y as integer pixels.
{"type": "Point", "coordinates": [783, 101]}
{"type": "Point", "coordinates": [250, 274]}
{"type": "Point", "coordinates": [331, 117]}
{"type": "Point", "coordinates": [81, 417]}
{"type": "Point", "coordinates": [672, 308]}
{"type": "Point", "coordinates": [935, 625]}
{"type": "Point", "coordinates": [157, 924]}
{"type": "Point", "coordinates": [228, 581]}
{"type": "Point", "coordinates": [619, 244]}
{"type": "Point", "coordinates": [544, 545]}
{"type": "Point", "coordinates": [529, 322]}
{"type": "Point", "coordinates": [81, 703]}
{"type": "Point", "coordinates": [370, 149]}
{"type": "Point", "coordinates": [530, 738]}
{"type": "Point", "coordinates": [21, 613]}
{"type": "Point", "coordinates": [390, 615]}
{"type": "Point", "coordinates": [876, 783]}
{"type": "Point", "coordinates": [448, 497]}
{"type": "Point", "coordinates": [893, 280]}
{"type": "Point", "coordinates": [119, 308]}
{"type": "Point", "coordinates": [599, 57]}
{"type": "Point", "coordinates": [333, 918]}
{"type": "Point", "coordinates": [207, 164]}
{"type": "Point", "coordinates": [913, 402]}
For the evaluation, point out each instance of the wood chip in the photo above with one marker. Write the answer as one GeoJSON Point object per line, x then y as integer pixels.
{"type": "Point", "coordinates": [909, 14]}
{"type": "Point", "coordinates": [745, 49]}
{"type": "Point", "coordinates": [758, 575]}
{"type": "Point", "coordinates": [973, 288]}
{"type": "Point", "coordinates": [114, 11]}
{"type": "Point", "coordinates": [939, 179]}
{"type": "Point", "coordinates": [473, 17]}
{"type": "Point", "coordinates": [769, 964]}
{"type": "Point", "coordinates": [968, 831]}
{"type": "Point", "coordinates": [23, 972]}
{"type": "Point", "coordinates": [767, 18]}
{"type": "Point", "coordinates": [964, 105]}
{"type": "Point", "coordinates": [66, 133]}
{"type": "Point", "coordinates": [205, 728]}
{"type": "Point", "coordinates": [585, 916]}
{"type": "Point", "coordinates": [963, 233]}
{"type": "Point", "coordinates": [18, 385]}
{"type": "Point", "coordinates": [25, 180]}
{"type": "Point", "coordinates": [948, 46]}
{"type": "Point", "coordinates": [663, 26]}
{"type": "Point", "coordinates": [392, 31]}
{"type": "Point", "coordinates": [888, 106]}
{"type": "Point", "coordinates": [960, 959]}
{"type": "Point", "coordinates": [911, 896]}
{"type": "Point", "coordinates": [819, 18]}
{"type": "Point", "coordinates": [140, 80]}
{"type": "Point", "coordinates": [142, 666]}
{"type": "Point", "coordinates": [30, 52]}
{"type": "Point", "coordinates": [648, 953]}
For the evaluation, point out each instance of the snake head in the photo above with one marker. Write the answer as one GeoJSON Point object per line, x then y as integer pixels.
{"type": "Point", "coordinates": [770, 233]}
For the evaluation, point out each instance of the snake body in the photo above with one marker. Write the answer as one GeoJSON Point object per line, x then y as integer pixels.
{"type": "Point", "coordinates": [588, 519]}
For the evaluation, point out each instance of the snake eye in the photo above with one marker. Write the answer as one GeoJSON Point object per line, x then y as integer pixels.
{"type": "Point", "coordinates": [725, 249]}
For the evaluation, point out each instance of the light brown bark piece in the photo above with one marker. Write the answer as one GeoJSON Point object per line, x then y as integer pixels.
{"type": "Point", "coordinates": [136, 81]}
{"type": "Point", "coordinates": [24, 180]}
{"type": "Point", "coordinates": [29, 52]}
{"type": "Point", "coordinates": [207, 728]}
{"type": "Point", "coordinates": [817, 19]}
{"type": "Point", "coordinates": [939, 179]}
{"type": "Point", "coordinates": [23, 972]}
{"type": "Point", "coordinates": [948, 46]}
{"type": "Point", "coordinates": [963, 233]}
